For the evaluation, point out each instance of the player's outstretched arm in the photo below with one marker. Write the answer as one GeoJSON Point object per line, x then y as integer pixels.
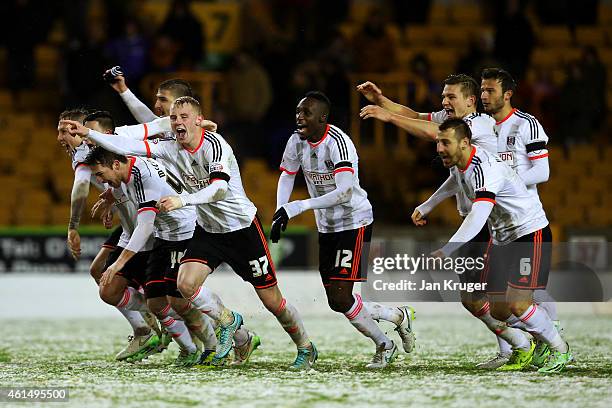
{"type": "Point", "coordinates": [115, 143]}
{"type": "Point", "coordinates": [471, 226]}
{"type": "Point", "coordinates": [374, 94]}
{"type": "Point", "coordinates": [342, 194]}
{"type": "Point", "coordinates": [78, 201]}
{"type": "Point", "coordinates": [144, 228]}
{"type": "Point", "coordinates": [422, 129]}
{"type": "Point", "coordinates": [215, 191]}
{"type": "Point", "coordinates": [448, 189]}
{"type": "Point", "coordinates": [141, 112]}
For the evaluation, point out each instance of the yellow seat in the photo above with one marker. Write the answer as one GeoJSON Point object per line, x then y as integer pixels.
{"type": "Point", "coordinates": [599, 216]}
{"type": "Point", "coordinates": [465, 14]}
{"type": "Point", "coordinates": [604, 14]}
{"type": "Point", "coordinates": [59, 214]}
{"type": "Point", "coordinates": [554, 36]}
{"type": "Point", "coordinates": [590, 35]}
{"type": "Point", "coordinates": [568, 216]}
{"type": "Point", "coordinates": [584, 154]}
{"type": "Point", "coordinates": [438, 13]}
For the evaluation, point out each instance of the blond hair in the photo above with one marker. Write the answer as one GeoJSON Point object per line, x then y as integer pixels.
{"type": "Point", "coordinates": [187, 100]}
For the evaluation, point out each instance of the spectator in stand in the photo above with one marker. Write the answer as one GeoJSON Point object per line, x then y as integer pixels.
{"type": "Point", "coordinates": [375, 48]}
{"type": "Point", "coordinates": [593, 68]}
{"type": "Point", "coordinates": [249, 97]}
{"type": "Point", "coordinates": [184, 28]}
{"type": "Point", "coordinates": [514, 37]}
{"type": "Point", "coordinates": [25, 24]}
{"type": "Point", "coordinates": [84, 60]}
{"type": "Point", "coordinates": [130, 51]}
{"type": "Point", "coordinates": [575, 117]}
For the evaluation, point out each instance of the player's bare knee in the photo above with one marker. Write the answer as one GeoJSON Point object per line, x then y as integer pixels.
{"type": "Point", "coordinates": [519, 308]}
{"type": "Point", "coordinates": [186, 284]}
{"type": "Point", "coordinates": [95, 270]}
{"type": "Point", "coordinates": [340, 304]}
{"type": "Point", "coordinates": [110, 295]}
{"type": "Point", "coordinates": [500, 311]}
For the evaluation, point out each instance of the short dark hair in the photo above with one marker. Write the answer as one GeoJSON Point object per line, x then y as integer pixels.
{"type": "Point", "coordinates": [459, 126]}
{"type": "Point", "coordinates": [99, 155]}
{"type": "Point", "coordinates": [469, 86]}
{"type": "Point", "coordinates": [502, 76]}
{"type": "Point", "coordinates": [76, 114]}
{"type": "Point", "coordinates": [178, 87]}
{"type": "Point", "coordinates": [104, 118]}
{"type": "Point", "coordinates": [321, 97]}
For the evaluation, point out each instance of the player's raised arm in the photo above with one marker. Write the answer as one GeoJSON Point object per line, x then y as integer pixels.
{"type": "Point", "coordinates": [374, 94]}
{"type": "Point", "coordinates": [422, 129]}
{"type": "Point", "coordinates": [448, 189]}
{"type": "Point", "coordinates": [116, 79]}
{"type": "Point", "coordinates": [116, 143]}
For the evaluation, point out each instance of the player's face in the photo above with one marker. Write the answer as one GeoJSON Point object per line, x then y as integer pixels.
{"type": "Point", "coordinates": [183, 120]}
{"type": "Point", "coordinates": [455, 103]}
{"type": "Point", "coordinates": [110, 175]}
{"type": "Point", "coordinates": [163, 100]}
{"type": "Point", "coordinates": [448, 148]}
{"type": "Point", "coordinates": [64, 138]}
{"type": "Point", "coordinates": [491, 95]}
{"type": "Point", "coordinates": [309, 119]}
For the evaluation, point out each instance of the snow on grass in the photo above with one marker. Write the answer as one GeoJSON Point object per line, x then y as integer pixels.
{"type": "Point", "coordinates": [79, 354]}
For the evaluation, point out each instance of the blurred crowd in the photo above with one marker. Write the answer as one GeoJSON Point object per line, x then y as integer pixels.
{"type": "Point", "coordinates": [289, 47]}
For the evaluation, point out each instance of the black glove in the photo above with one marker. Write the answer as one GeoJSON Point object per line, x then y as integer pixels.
{"type": "Point", "coordinates": [111, 75]}
{"type": "Point", "coordinates": [280, 219]}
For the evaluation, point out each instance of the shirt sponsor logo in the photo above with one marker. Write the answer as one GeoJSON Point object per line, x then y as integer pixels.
{"type": "Point", "coordinates": [192, 181]}
{"type": "Point", "coordinates": [215, 167]}
{"type": "Point", "coordinates": [319, 179]}
{"type": "Point", "coordinates": [507, 157]}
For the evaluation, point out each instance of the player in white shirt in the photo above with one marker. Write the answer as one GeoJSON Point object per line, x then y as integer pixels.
{"type": "Point", "coordinates": [344, 218]}
{"type": "Point", "coordinates": [227, 227]}
{"type": "Point", "coordinates": [157, 272]}
{"type": "Point", "coordinates": [459, 100]}
{"type": "Point", "coordinates": [519, 261]}
{"type": "Point", "coordinates": [143, 181]}
{"type": "Point", "coordinates": [522, 145]}
{"type": "Point", "coordinates": [143, 337]}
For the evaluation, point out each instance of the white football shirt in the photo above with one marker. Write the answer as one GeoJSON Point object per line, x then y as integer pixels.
{"type": "Point", "coordinates": [334, 153]}
{"type": "Point", "coordinates": [516, 212]}
{"type": "Point", "coordinates": [521, 139]}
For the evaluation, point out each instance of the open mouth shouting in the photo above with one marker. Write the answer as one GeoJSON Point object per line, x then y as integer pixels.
{"type": "Point", "coordinates": [181, 132]}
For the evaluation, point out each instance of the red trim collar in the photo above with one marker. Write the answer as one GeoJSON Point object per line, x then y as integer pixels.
{"type": "Point", "coordinates": [132, 161]}
{"type": "Point", "coordinates": [199, 145]}
{"type": "Point", "coordinates": [506, 118]}
{"type": "Point", "coordinates": [322, 139]}
{"type": "Point", "coordinates": [469, 161]}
